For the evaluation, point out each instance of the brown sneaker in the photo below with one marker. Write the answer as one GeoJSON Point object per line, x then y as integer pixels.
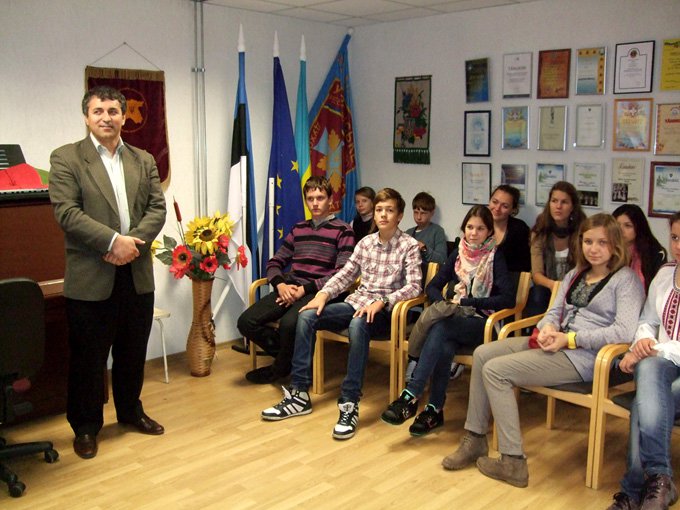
{"type": "Point", "coordinates": [660, 493]}
{"type": "Point", "coordinates": [470, 449]}
{"type": "Point", "coordinates": [505, 468]}
{"type": "Point", "coordinates": [623, 502]}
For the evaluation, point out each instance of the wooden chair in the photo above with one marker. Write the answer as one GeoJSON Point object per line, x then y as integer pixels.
{"type": "Point", "coordinates": [252, 297]}
{"type": "Point", "coordinates": [389, 343]}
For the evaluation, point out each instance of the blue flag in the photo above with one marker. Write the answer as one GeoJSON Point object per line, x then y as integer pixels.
{"type": "Point", "coordinates": [241, 201]}
{"type": "Point", "coordinates": [331, 136]}
{"type": "Point", "coordinates": [283, 168]}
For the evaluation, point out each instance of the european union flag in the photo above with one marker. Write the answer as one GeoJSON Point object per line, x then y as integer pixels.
{"type": "Point", "coordinates": [283, 168]}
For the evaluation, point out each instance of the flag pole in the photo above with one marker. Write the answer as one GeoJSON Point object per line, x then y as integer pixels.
{"type": "Point", "coordinates": [271, 205]}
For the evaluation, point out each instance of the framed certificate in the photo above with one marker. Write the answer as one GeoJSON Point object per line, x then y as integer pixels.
{"type": "Point", "coordinates": [627, 180]}
{"type": "Point", "coordinates": [589, 131]}
{"type": "Point", "coordinates": [477, 80]}
{"type": "Point", "coordinates": [517, 75]}
{"type": "Point", "coordinates": [547, 174]}
{"type": "Point", "coordinates": [667, 138]}
{"type": "Point", "coordinates": [515, 127]}
{"type": "Point", "coordinates": [476, 183]}
{"type": "Point", "coordinates": [515, 175]}
{"type": "Point", "coordinates": [664, 189]}
{"type": "Point", "coordinates": [591, 65]}
{"type": "Point", "coordinates": [552, 128]}
{"type": "Point", "coordinates": [632, 124]}
{"type": "Point", "coordinates": [553, 74]}
{"type": "Point", "coordinates": [477, 133]}
{"type": "Point", "coordinates": [670, 65]}
{"type": "Point", "coordinates": [588, 181]}
{"type": "Point", "coordinates": [633, 67]}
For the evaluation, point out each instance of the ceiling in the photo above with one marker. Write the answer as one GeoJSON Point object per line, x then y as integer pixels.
{"type": "Point", "coordinates": [352, 13]}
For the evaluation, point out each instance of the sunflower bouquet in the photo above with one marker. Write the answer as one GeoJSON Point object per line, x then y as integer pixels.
{"type": "Point", "coordinates": [204, 247]}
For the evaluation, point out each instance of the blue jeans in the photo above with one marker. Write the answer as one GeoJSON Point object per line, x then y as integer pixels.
{"type": "Point", "coordinates": [336, 317]}
{"type": "Point", "coordinates": [440, 347]}
{"type": "Point", "coordinates": [657, 382]}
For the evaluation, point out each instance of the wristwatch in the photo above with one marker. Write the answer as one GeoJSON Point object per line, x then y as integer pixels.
{"type": "Point", "coordinates": [385, 301]}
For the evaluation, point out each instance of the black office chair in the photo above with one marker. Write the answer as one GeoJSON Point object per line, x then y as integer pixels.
{"type": "Point", "coordinates": [22, 348]}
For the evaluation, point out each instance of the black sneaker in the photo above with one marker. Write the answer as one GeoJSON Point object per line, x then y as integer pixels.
{"type": "Point", "coordinates": [262, 375]}
{"type": "Point", "coordinates": [401, 409]}
{"type": "Point", "coordinates": [427, 421]}
{"type": "Point", "coordinates": [294, 403]}
{"type": "Point", "coordinates": [348, 420]}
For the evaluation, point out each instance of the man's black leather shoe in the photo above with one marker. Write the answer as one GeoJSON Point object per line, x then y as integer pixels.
{"type": "Point", "coordinates": [85, 446]}
{"type": "Point", "coordinates": [146, 425]}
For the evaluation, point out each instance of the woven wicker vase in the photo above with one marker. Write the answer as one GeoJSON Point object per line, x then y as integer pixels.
{"type": "Point", "coordinates": [201, 340]}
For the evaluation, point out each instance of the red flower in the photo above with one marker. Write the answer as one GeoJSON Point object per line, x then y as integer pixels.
{"type": "Point", "coordinates": [241, 259]}
{"type": "Point", "coordinates": [181, 260]}
{"type": "Point", "coordinates": [209, 264]}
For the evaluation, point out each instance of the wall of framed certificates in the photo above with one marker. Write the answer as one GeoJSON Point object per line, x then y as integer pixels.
{"type": "Point", "coordinates": [518, 91]}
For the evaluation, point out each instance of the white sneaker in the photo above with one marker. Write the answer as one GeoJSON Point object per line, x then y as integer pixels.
{"type": "Point", "coordinates": [410, 367]}
{"type": "Point", "coordinates": [456, 370]}
{"type": "Point", "coordinates": [294, 403]}
{"type": "Point", "coordinates": [348, 421]}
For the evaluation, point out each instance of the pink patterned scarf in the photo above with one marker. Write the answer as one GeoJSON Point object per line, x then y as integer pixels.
{"type": "Point", "coordinates": [474, 268]}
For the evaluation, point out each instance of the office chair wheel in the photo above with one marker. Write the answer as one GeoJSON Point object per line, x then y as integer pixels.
{"type": "Point", "coordinates": [16, 489]}
{"type": "Point", "coordinates": [51, 456]}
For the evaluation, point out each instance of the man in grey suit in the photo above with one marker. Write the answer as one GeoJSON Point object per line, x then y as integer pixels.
{"type": "Point", "coordinates": [108, 200]}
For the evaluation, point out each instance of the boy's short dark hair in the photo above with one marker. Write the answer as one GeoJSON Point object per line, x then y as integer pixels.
{"type": "Point", "coordinates": [390, 194]}
{"type": "Point", "coordinates": [424, 201]}
{"type": "Point", "coordinates": [317, 182]}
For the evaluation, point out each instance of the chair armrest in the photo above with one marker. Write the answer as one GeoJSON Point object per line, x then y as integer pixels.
{"type": "Point", "coordinates": [493, 319]}
{"type": "Point", "coordinates": [520, 324]}
{"type": "Point", "coordinates": [400, 311]}
{"type": "Point", "coordinates": [603, 365]}
{"type": "Point", "coordinates": [252, 290]}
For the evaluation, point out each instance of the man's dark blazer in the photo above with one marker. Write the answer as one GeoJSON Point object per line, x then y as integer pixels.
{"type": "Point", "coordinates": [85, 207]}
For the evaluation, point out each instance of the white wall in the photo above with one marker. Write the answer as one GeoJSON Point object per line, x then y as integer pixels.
{"type": "Point", "coordinates": [45, 46]}
{"type": "Point", "coordinates": [440, 46]}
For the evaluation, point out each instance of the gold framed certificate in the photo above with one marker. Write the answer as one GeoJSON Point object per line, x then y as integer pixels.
{"type": "Point", "coordinates": [632, 124]}
{"type": "Point", "coordinates": [552, 128]}
{"type": "Point", "coordinates": [553, 74]}
{"type": "Point", "coordinates": [667, 138]}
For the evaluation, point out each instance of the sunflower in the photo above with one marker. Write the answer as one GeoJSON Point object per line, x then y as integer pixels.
{"type": "Point", "coordinates": [203, 235]}
{"type": "Point", "coordinates": [223, 223]}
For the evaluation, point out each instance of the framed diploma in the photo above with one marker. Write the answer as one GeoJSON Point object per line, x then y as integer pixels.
{"type": "Point", "coordinates": [553, 73]}
{"type": "Point", "coordinates": [632, 124]}
{"type": "Point", "coordinates": [633, 67]}
{"type": "Point", "coordinates": [670, 65]}
{"type": "Point", "coordinates": [515, 127]}
{"type": "Point", "coordinates": [552, 128]}
{"type": "Point", "coordinates": [667, 138]}
{"type": "Point", "coordinates": [588, 181]}
{"type": "Point", "coordinates": [515, 175]}
{"type": "Point", "coordinates": [476, 183]}
{"type": "Point", "coordinates": [664, 189]}
{"type": "Point", "coordinates": [477, 133]}
{"type": "Point", "coordinates": [477, 80]}
{"type": "Point", "coordinates": [547, 174]}
{"type": "Point", "coordinates": [517, 75]}
{"type": "Point", "coordinates": [589, 131]}
{"type": "Point", "coordinates": [627, 180]}
{"type": "Point", "coordinates": [591, 65]}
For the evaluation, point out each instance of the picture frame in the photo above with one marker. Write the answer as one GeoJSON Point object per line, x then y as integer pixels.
{"type": "Point", "coordinates": [476, 183]}
{"type": "Point", "coordinates": [477, 133]}
{"type": "Point", "coordinates": [589, 126]}
{"type": "Point", "coordinates": [591, 71]}
{"type": "Point", "coordinates": [554, 67]}
{"type": "Point", "coordinates": [515, 175]}
{"type": "Point", "coordinates": [667, 132]}
{"type": "Point", "coordinates": [589, 182]}
{"type": "Point", "coordinates": [515, 127]}
{"type": "Point", "coordinates": [411, 135]}
{"type": "Point", "coordinates": [628, 180]}
{"type": "Point", "coordinates": [547, 174]}
{"type": "Point", "coordinates": [664, 189]}
{"type": "Point", "coordinates": [517, 69]}
{"type": "Point", "coordinates": [670, 65]}
{"type": "Point", "coordinates": [633, 67]}
{"type": "Point", "coordinates": [477, 80]}
{"type": "Point", "coordinates": [552, 128]}
{"type": "Point", "coordinates": [632, 124]}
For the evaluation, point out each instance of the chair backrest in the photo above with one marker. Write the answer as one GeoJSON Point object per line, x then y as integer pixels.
{"type": "Point", "coordinates": [22, 327]}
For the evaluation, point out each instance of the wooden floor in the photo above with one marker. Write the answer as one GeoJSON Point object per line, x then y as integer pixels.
{"type": "Point", "coordinates": [217, 453]}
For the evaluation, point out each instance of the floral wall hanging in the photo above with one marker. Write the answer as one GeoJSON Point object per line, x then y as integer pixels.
{"type": "Point", "coordinates": [412, 119]}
